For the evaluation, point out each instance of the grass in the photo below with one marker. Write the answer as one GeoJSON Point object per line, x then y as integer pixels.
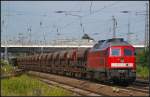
{"type": "Point", "coordinates": [27, 86]}
{"type": "Point", "coordinates": [142, 71]}
{"type": "Point", "coordinates": [6, 68]}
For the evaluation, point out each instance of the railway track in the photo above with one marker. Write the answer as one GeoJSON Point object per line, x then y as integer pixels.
{"type": "Point", "coordinates": [91, 87]}
{"type": "Point", "coordinates": [142, 82]}
{"type": "Point", "coordinates": [76, 91]}
{"type": "Point", "coordinates": [17, 72]}
{"type": "Point", "coordinates": [140, 85]}
{"type": "Point", "coordinates": [137, 88]}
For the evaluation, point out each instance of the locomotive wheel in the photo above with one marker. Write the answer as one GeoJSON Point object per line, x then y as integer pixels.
{"type": "Point", "coordinates": [64, 73]}
{"type": "Point", "coordinates": [53, 71]}
{"type": "Point", "coordinates": [102, 77]}
{"type": "Point", "coordinates": [83, 75]}
{"type": "Point", "coordinates": [49, 70]}
{"type": "Point", "coordinates": [80, 75]}
{"type": "Point", "coordinates": [67, 73]}
{"type": "Point", "coordinates": [88, 76]}
{"type": "Point", "coordinates": [76, 75]}
{"type": "Point", "coordinates": [61, 73]}
{"type": "Point", "coordinates": [70, 74]}
{"type": "Point", "coordinates": [73, 74]}
{"type": "Point", "coordinates": [91, 76]}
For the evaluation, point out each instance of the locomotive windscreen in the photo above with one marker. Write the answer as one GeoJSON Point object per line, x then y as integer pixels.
{"type": "Point", "coordinates": [115, 52]}
{"type": "Point", "coordinates": [127, 52]}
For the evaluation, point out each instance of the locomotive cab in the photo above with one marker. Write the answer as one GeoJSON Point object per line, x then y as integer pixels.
{"type": "Point", "coordinates": [121, 62]}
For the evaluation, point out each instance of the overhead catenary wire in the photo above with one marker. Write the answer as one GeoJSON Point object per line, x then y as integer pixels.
{"type": "Point", "coordinates": [99, 10]}
{"type": "Point", "coordinates": [70, 10]}
{"type": "Point", "coordinates": [89, 22]}
{"type": "Point", "coordinates": [110, 5]}
{"type": "Point", "coordinates": [92, 12]}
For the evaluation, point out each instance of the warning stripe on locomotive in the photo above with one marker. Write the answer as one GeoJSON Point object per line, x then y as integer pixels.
{"type": "Point", "coordinates": [121, 64]}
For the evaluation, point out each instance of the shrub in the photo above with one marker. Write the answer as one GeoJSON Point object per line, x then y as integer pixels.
{"type": "Point", "coordinates": [142, 71]}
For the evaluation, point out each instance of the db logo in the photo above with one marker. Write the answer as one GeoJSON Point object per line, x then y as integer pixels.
{"type": "Point", "coordinates": [122, 60]}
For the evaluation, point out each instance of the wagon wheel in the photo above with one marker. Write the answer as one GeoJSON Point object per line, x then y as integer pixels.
{"type": "Point", "coordinates": [73, 74]}
{"type": "Point", "coordinates": [91, 74]}
{"type": "Point", "coordinates": [83, 75]}
{"type": "Point", "coordinates": [80, 75]}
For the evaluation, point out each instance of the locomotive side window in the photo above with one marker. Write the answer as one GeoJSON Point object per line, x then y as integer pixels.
{"type": "Point", "coordinates": [115, 52]}
{"type": "Point", "coordinates": [127, 52]}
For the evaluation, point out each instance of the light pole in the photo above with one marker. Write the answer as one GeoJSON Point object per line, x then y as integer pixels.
{"type": "Point", "coordinates": [29, 31]}
{"type": "Point", "coordinates": [68, 13]}
{"type": "Point", "coordinates": [114, 26]}
{"type": "Point", "coordinates": [44, 36]}
{"type": "Point", "coordinates": [146, 35]}
{"type": "Point", "coordinates": [80, 18]}
{"type": "Point", "coordinates": [6, 42]}
{"type": "Point", "coordinates": [129, 24]}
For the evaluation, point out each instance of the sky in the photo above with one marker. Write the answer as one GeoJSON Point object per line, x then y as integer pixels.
{"type": "Point", "coordinates": [17, 17]}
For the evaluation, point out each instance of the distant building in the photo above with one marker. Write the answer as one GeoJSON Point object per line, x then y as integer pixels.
{"type": "Point", "coordinates": [86, 37]}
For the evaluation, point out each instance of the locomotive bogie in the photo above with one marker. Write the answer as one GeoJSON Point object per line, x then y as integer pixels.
{"type": "Point", "coordinates": [122, 75]}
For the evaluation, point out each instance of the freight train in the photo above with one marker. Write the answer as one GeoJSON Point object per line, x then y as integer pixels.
{"type": "Point", "coordinates": [108, 60]}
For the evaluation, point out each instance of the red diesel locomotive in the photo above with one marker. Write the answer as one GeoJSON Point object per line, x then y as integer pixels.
{"type": "Point", "coordinates": [111, 59]}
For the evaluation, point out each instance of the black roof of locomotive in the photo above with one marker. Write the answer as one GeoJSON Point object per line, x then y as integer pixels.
{"type": "Point", "coordinates": [117, 42]}
{"type": "Point", "coordinates": [111, 42]}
